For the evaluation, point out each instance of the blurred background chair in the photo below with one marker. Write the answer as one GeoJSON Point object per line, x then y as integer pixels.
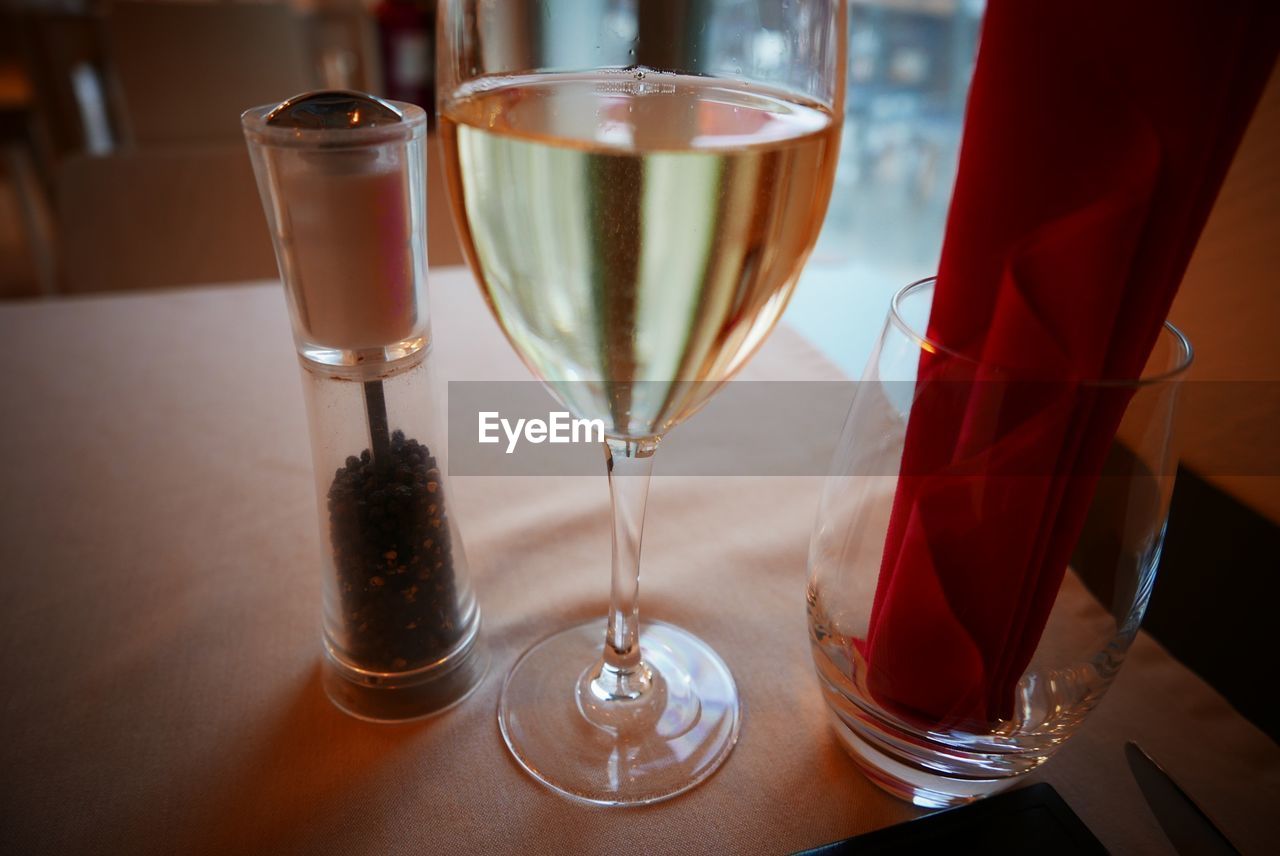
{"type": "Point", "coordinates": [58, 48]}
{"type": "Point", "coordinates": [51, 104]}
{"type": "Point", "coordinates": [102, 103]}
{"type": "Point", "coordinates": [184, 72]}
{"type": "Point", "coordinates": [181, 215]}
{"type": "Point", "coordinates": [178, 216]}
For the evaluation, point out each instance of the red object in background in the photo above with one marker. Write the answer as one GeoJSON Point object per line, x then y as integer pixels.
{"type": "Point", "coordinates": [1097, 135]}
{"type": "Point", "coordinates": [406, 37]}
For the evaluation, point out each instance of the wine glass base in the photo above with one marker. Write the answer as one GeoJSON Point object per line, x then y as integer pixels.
{"type": "Point", "coordinates": [648, 750]}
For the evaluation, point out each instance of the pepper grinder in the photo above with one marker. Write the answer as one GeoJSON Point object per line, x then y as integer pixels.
{"type": "Point", "coordinates": [341, 175]}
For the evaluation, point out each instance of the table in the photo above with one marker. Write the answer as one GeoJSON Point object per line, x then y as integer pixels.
{"type": "Point", "coordinates": [159, 611]}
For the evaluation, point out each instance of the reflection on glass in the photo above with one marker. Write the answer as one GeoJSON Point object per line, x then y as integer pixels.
{"type": "Point", "coordinates": [910, 62]}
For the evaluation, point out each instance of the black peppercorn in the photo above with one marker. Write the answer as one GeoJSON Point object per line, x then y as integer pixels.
{"type": "Point", "coordinates": [393, 556]}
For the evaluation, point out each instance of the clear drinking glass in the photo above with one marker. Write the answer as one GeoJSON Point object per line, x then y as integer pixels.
{"type": "Point", "coordinates": [1094, 613]}
{"type": "Point", "coordinates": [637, 186]}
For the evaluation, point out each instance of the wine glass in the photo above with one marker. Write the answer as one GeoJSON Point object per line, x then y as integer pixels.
{"type": "Point", "coordinates": [637, 186]}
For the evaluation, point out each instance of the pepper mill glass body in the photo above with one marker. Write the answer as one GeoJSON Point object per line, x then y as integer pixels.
{"type": "Point", "coordinates": [342, 181]}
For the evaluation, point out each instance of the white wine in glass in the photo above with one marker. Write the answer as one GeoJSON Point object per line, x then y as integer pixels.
{"type": "Point", "coordinates": [636, 230]}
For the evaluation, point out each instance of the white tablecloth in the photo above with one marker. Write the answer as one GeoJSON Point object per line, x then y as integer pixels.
{"type": "Point", "coordinates": [159, 609]}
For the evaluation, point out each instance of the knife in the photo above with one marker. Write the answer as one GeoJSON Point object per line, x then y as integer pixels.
{"type": "Point", "coordinates": [1185, 823]}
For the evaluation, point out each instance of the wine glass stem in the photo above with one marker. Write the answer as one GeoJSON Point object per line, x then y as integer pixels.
{"type": "Point", "coordinates": [630, 465]}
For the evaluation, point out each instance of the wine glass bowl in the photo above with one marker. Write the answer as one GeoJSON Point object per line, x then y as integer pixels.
{"type": "Point", "coordinates": [637, 187]}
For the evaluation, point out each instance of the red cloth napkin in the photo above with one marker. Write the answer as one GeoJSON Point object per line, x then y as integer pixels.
{"type": "Point", "coordinates": [1096, 138]}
